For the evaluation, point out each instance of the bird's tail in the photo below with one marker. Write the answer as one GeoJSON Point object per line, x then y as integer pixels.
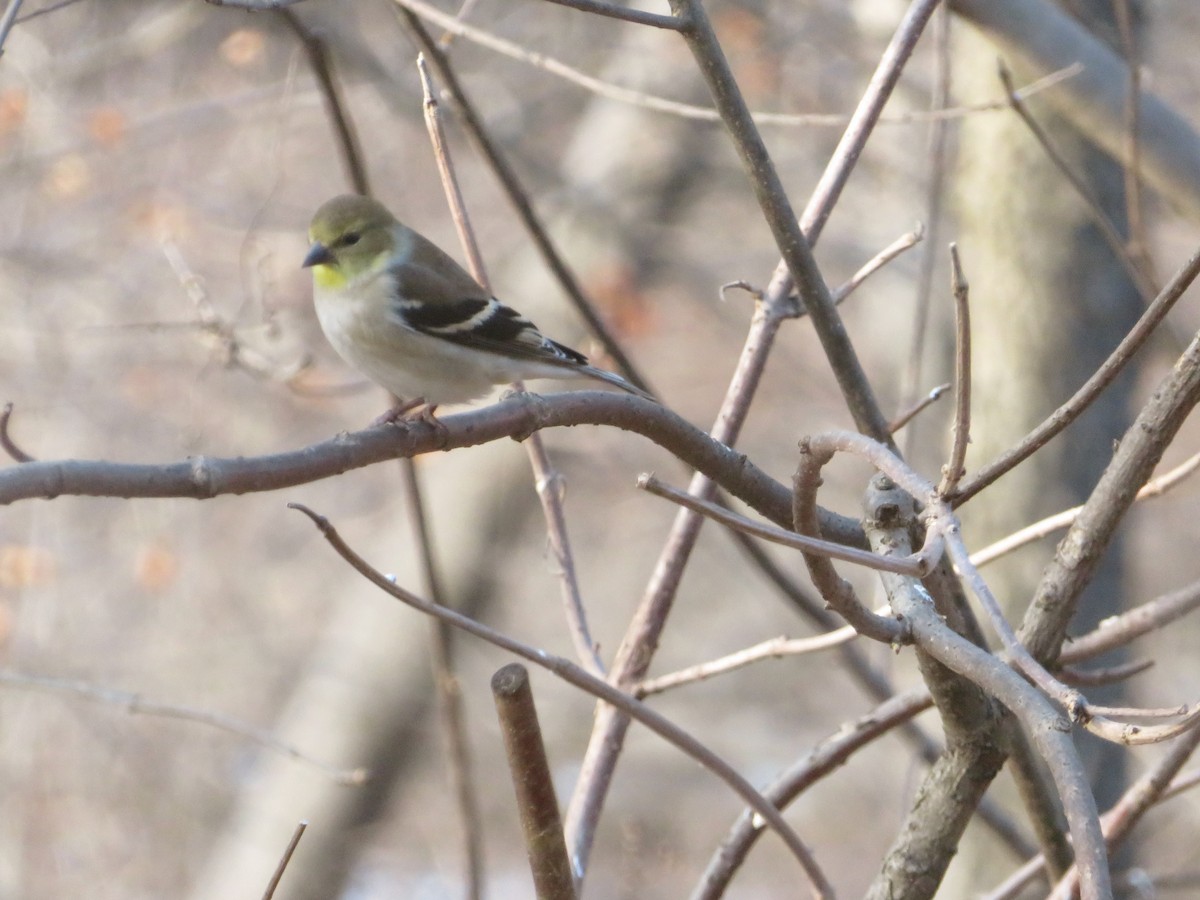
{"type": "Point", "coordinates": [617, 381]}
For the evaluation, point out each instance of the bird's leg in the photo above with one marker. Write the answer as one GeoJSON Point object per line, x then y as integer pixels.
{"type": "Point", "coordinates": [399, 411]}
{"type": "Point", "coordinates": [426, 415]}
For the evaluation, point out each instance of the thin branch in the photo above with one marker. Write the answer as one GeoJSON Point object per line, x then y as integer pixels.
{"type": "Point", "coordinates": [1133, 462]}
{"type": "Point", "coordinates": [284, 860]}
{"type": "Point", "coordinates": [1067, 517]}
{"type": "Point", "coordinates": [955, 469]}
{"type": "Point", "coordinates": [1091, 389]}
{"type": "Point", "coordinates": [775, 648]}
{"type": "Point", "coordinates": [1118, 631]}
{"type": "Point", "coordinates": [878, 261]}
{"type": "Point", "coordinates": [793, 236]}
{"type": "Point", "coordinates": [826, 757]}
{"type": "Point", "coordinates": [918, 565]}
{"type": "Point", "coordinates": [1117, 823]}
{"type": "Point", "coordinates": [835, 590]}
{"type": "Point", "coordinates": [536, 800]}
{"type": "Point", "coordinates": [1107, 675]}
{"type": "Point", "coordinates": [636, 16]}
{"type": "Point", "coordinates": [1185, 781]}
{"type": "Point", "coordinates": [580, 678]}
{"type": "Point", "coordinates": [797, 268]}
{"type": "Point", "coordinates": [136, 704]}
{"type": "Point", "coordinates": [6, 440]}
{"type": "Point", "coordinates": [631, 97]}
{"type": "Point", "coordinates": [547, 480]}
{"type": "Point", "coordinates": [518, 416]}
{"type": "Point", "coordinates": [919, 407]}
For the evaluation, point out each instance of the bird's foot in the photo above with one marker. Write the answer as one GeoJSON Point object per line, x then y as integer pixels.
{"type": "Point", "coordinates": [401, 411]}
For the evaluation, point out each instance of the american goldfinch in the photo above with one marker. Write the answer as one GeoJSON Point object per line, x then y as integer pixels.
{"type": "Point", "coordinates": [412, 320]}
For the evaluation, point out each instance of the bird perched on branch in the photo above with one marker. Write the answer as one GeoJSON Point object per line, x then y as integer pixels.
{"type": "Point", "coordinates": [407, 316]}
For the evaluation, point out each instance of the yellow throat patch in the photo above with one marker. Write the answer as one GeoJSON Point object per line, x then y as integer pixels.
{"type": "Point", "coordinates": [328, 277]}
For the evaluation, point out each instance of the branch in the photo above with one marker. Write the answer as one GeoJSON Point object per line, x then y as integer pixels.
{"type": "Point", "coordinates": [574, 675]}
{"type": "Point", "coordinates": [1092, 388]}
{"type": "Point", "coordinates": [1138, 452]}
{"type": "Point", "coordinates": [826, 757]}
{"type": "Point", "coordinates": [205, 477]}
{"type": "Point", "coordinates": [284, 860]}
{"type": "Point", "coordinates": [536, 800]}
{"type": "Point", "coordinates": [954, 470]}
{"type": "Point", "coordinates": [918, 564]}
{"type": "Point", "coordinates": [888, 507]}
{"type": "Point", "coordinates": [636, 16]}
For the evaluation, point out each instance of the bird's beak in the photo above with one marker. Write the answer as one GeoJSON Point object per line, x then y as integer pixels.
{"type": "Point", "coordinates": [318, 255]}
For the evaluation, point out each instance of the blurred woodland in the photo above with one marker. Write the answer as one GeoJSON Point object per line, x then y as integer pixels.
{"type": "Point", "coordinates": [188, 669]}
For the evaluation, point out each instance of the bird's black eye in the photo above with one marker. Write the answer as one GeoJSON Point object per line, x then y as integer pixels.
{"type": "Point", "coordinates": [350, 238]}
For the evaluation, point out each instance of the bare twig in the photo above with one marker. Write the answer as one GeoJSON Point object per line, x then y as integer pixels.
{"type": "Point", "coordinates": [793, 236]}
{"type": "Point", "coordinates": [798, 269]}
{"type": "Point", "coordinates": [1091, 389]}
{"type": "Point", "coordinates": [632, 97]}
{"type": "Point", "coordinates": [536, 800]}
{"type": "Point", "coordinates": [878, 261]}
{"type": "Point", "coordinates": [919, 564]}
{"type": "Point", "coordinates": [1139, 451]}
{"type": "Point", "coordinates": [771, 649]}
{"type": "Point", "coordinates": [1117, 823]}
{"type": "Point", "coordinates": [548, 482]}
{"type": "Point", "coordinates": [920, 406]}
{"type": "Point", "coordinates": [1107, 675]}
{"type": "Point", "coordinates": [574, 675]}
{"type": "Point", "coordinates": [6, 439]}
{"type": "Point", "coordinates": [826, 757]}
{"type": "Point", "coordinates": [136, 704]}
{"type": "Point", "coordinates": [954, 470]}
{"type": "Point", "coordinates": [203, 477]}
{"type": "Point", "coordinates": [625, 14]}
{"type": "Point", "coordinates": [284, 860]}
{"type": "Point", "coordinates": [890, 514]}
{"type": "Point", "coordinates": [1128, 626]}
{"type": "Point", "coordinates": [1050, 524]}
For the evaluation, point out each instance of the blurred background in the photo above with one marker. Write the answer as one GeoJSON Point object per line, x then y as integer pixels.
{"type": "Point", "coordinates": [161, 160]}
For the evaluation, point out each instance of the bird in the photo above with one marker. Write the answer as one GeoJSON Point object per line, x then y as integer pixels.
{"type": "Point", "coordinates": [403, 313]}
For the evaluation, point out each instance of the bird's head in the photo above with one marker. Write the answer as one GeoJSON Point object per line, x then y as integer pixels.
{"type": "Point", "coordinates": [351, 235]}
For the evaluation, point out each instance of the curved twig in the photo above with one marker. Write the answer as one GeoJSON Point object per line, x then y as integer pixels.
{"type": "Point", "coordinates": [580, 678]}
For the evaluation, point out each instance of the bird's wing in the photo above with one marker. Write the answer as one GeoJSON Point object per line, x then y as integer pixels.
{"type": "Point", "coordinates": [455, 308]}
